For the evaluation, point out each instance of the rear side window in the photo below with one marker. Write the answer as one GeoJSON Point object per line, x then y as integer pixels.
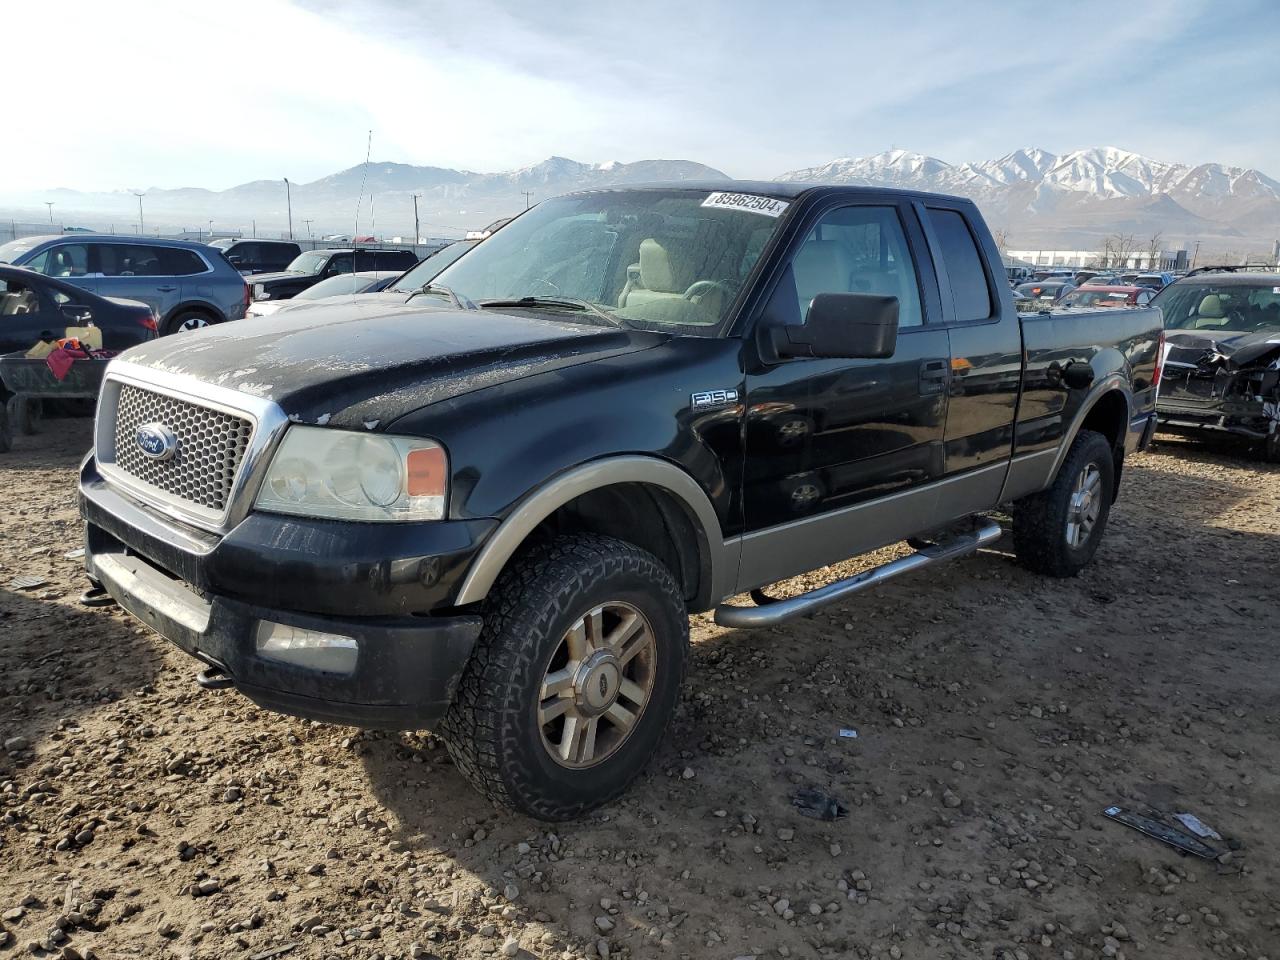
{"type": "Point", "coordinates": [66, 260]}
{"type": "Point", "coordinates": [129, 260]}
{"type": "Point", "coordinates": [180, 263]}
{"type": "Point", "coordinates": [960, 255]}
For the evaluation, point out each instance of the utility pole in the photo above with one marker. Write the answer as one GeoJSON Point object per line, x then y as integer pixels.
{"type": "Point", "coordinates": [1195, 255]}
{"type": "Point", "coordinates": [417, 231]}
{"type": "Point", "coordinates": [141, 228]}
{"type": "Point", "coordinates": [255, 227]}
{"type": "Point", "coordinates": [49, 204]}
{"type": "Point", "coordinates": [210, 229]}
{"type": "Point", "coordinates": [308, 223]}
{"type": "Point", "coordinates": [527, 195]}
{"type": "Point", "coordinates": [288, 197]}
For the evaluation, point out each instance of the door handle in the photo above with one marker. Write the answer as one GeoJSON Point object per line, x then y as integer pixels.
{"type": "Point", "coordinates": [166, 289]}
{"type": "Point", "coordinates": [934, 375]}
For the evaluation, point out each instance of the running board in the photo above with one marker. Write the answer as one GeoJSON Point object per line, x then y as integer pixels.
{"type": "Point", "coordinates": [780, 611]}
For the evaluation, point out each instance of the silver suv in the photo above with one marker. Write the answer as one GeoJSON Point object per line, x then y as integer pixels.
{"type": "Point", "coordinates": [189, 285]}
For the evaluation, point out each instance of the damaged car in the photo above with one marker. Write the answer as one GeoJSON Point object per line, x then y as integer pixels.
{"type": "Point", "coordinates": [1222, 363]}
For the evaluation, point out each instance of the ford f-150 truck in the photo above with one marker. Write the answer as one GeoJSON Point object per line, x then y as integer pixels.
{"type": "Point", "coordinates": [489, 510]}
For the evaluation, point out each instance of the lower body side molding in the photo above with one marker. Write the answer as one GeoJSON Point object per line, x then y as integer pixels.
{"type": "Point", "coordinates": [779, 611]}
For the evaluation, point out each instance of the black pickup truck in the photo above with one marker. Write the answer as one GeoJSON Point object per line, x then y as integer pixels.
{"type": "Point", "coordinates": [308, 269]}
{"type": "Point", "coordinates": [489, 510]}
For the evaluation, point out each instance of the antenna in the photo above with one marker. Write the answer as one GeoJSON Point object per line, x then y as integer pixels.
{"type": "Point", "coordinates": [368, 149]}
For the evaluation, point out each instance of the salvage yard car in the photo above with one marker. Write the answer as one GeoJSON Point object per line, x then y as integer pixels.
{"type": "Point", "coordinates": [1223, 356]}
{"type": "Point", "coordinates": [188, 285]}
{"type": "Point", "coordinates": [489, 510]}
{"type": "Point", "coordinates": [311, 267]}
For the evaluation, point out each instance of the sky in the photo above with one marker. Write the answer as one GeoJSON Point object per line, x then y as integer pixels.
{"type": "Point", "coordinates": [173, 93]}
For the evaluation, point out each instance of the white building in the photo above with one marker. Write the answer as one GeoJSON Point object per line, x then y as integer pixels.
{"type": "Point", "coordinates": [1133, 260]}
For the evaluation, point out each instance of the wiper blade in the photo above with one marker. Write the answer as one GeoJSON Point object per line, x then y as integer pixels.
{"type": "Point", "coordinates": [462, 303]}
{"type": "Point", "coordinates": [573, 303]}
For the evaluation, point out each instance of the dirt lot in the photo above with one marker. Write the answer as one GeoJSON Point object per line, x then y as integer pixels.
{"type": "Point", "coordinates": [997, 715]}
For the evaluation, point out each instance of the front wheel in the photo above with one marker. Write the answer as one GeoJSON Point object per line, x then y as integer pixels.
{"type": "Point", "coordinates": [574, 678]}
{"type": "Point", "coordinates": [1057, 531]}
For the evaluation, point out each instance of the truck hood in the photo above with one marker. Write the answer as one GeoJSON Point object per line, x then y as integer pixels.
{"type": "Point", "coordinates": [365, 362]}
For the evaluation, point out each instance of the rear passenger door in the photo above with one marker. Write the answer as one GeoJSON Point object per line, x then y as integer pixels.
{"type": "Point", "coordinates": [986, 351]}
{"type": "Point", "coordinates": [136, 271]}
{"type": "Point", "coordinates": [842, 455]}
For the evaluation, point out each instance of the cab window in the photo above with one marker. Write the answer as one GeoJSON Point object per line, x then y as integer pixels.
{"type": "Point", "coordinates": [859, 250]}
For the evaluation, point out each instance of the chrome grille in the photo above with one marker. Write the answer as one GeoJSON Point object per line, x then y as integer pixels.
{"type": "Point", "coordinates": [211, 445]}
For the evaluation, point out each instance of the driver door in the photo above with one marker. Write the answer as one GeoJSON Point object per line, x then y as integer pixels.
{"type": "Point", "coordinates": [841, 454]}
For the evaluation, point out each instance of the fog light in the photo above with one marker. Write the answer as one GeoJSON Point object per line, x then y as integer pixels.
{"type": "Point", "coordinates": [330, 652]}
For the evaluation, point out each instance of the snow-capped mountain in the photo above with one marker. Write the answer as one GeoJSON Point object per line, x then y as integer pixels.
{"type": "Point", "coordinates": [1040, 198]}
{"type": "Point", "coordinates": [1035, 197]}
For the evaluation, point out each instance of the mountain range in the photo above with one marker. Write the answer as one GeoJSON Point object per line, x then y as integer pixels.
{"type": "Point", "coordinates": [1033, 198]}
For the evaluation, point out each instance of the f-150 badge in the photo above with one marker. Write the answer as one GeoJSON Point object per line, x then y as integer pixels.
{"type": "Point", "coordinates": [706, 399]}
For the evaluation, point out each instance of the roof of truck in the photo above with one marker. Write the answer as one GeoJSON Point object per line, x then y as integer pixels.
{"type": "Point", "coordinates": [786, 189]}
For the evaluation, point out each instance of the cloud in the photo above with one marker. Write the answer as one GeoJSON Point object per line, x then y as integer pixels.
{"type": "Point", "coordinates": [169, 94]}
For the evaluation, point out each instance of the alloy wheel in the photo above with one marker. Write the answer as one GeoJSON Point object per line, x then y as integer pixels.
{"type": "Point", "coordinates": [596, 685]}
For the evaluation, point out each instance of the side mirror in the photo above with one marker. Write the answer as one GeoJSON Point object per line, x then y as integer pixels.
{"type": "Point", "coordinates": [842, 325]}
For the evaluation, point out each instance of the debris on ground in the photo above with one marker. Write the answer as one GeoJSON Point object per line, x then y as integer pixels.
{"type": "Point", "coordinates": [1197, 826]}
{"type": "Point", "coordinates": [1163, 832]}
{"type": "Point", "coordinates": [818, 805]}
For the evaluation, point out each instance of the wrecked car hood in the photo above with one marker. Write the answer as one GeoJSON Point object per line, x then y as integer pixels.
{"type": "Point", "coordinates": [368, 362]}
{"type": "Point", "coordinates": [1222, 348]}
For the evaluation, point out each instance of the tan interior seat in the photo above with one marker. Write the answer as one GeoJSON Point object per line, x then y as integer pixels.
{"type": "Point", "coordinates": [822, 266]}
{"type": "Point", "coordinates": [1211, 312]}
{"type": "Point", "coordinates": [662, 274]}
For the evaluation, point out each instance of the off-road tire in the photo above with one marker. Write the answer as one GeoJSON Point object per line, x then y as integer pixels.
{"type": "Point", "coordinates": [491, 729]}
{"type": "Point", "coordinates": [1040, 520]}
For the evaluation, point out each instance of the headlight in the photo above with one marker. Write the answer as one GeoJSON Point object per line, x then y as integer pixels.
{"type": "Point", "coordinates": [319, 472]}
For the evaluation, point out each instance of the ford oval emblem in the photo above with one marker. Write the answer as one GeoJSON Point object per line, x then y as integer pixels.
{"type": "Point", "coordinates": [157, 441]}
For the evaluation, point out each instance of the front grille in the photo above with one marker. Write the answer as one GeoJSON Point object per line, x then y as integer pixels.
{"type": "Point", "coordinates": [211, 445]}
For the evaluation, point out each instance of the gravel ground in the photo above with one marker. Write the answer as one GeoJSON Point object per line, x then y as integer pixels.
{"type": "Point", "coordinates": [997, 715]}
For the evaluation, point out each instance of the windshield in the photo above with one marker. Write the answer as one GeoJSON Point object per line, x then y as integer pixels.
{"type": "Point", "coordinates": [671, 258]}
{"type": "Point", "coordinates": [1097, 298]}
{"type": "Point", "coordinates": [9, 252]}
{"type": "Point", "coordinates": [222, 242]}
{"type": "Point", "coordinates": [426, 271]}
{"type": "Point", "coordinates": [1209, 306]}
{"type": "Point", "coordinates": [344, 283]}
{"type": "Point", "coordinates": [311, 262]}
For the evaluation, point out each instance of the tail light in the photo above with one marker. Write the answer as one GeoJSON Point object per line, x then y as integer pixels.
{"type": "Point", "coordinates": [1155, 377]}
{"type": "Point", "coordinates": [149, 321]}
{"type": "Point", "coordinates": [248, 298]}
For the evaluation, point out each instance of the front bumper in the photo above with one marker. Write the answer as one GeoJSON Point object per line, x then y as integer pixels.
{"type": "Point", "coordinates": [208, 595]}
{"type": "Point", "coordinates": [1244, 418]}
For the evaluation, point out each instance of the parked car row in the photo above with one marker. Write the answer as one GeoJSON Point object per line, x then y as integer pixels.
{"type": "Point", "coordinates": [188, 285]}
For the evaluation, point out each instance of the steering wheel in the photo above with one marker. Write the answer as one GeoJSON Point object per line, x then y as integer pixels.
{"type": "Point", "coordinates": [702, 287]}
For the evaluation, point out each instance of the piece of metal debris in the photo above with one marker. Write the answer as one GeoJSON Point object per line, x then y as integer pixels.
{"type": "Point", "coordinates": [27, 582]}
{"type": "Point", "coordinates": [75, 554]}
{"type": "Point", "coordinates": [1163, 832]}
{"type": "Point", "coordinates": [1197, 826]}
{"type": "Point", "coordinates": [818, 805]}
{"type": "Point", "coordinates": [848, 733]}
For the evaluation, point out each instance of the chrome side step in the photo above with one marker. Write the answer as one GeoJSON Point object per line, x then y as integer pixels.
{"type": "Point", "coordinates": [779, 611]}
